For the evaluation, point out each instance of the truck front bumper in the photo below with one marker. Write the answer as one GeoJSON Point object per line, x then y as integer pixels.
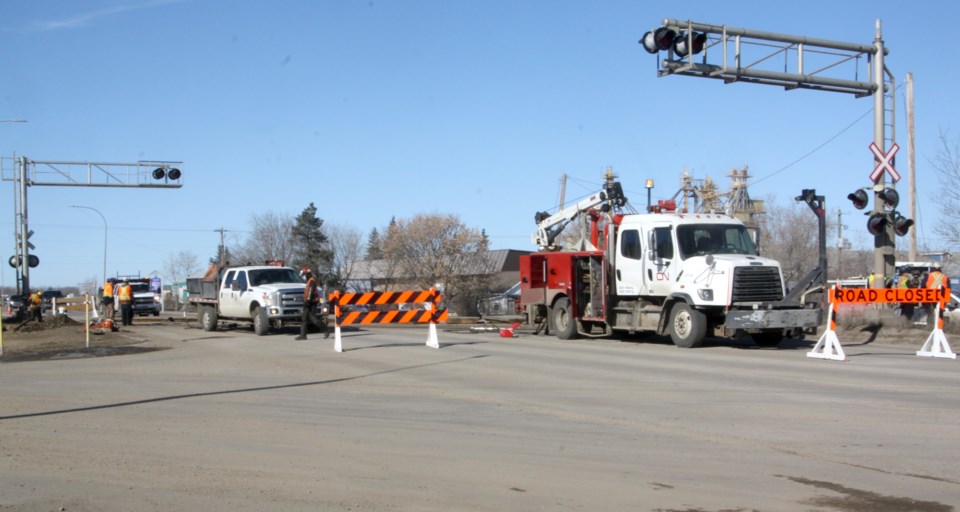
{"type": "Point", "coordinates": [773, 319]}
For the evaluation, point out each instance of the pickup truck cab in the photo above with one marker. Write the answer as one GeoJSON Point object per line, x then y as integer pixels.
{"type": "Point", "coordinates": [266, 296]}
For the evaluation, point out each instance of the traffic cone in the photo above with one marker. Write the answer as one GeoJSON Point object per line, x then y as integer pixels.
{"type": "Point", "coordinates": [507, 332]}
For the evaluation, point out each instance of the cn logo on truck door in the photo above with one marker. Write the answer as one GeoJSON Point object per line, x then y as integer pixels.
{"type": "Point", "coordinates": [658, 273]}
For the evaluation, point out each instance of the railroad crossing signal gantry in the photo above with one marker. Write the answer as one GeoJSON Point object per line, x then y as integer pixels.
{"type": "Point", "coordinates": [25, 173]}
{"type": "Point", "coordinates": [735, 54]}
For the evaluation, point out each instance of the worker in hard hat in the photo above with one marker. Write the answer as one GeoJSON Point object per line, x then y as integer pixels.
{"type": "Point", "coordinates": [936, 280]}
{"type": "Point", "coordinates": [311, 299]}
{"type": "Point", "coordinates": [106, 298]}
{"type": "Point", "coordinates": [125, 298]}
{"type": "Point", "coordinates": [36, 305]}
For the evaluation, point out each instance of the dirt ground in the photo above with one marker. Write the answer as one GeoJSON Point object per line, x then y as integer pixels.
{"type": "Point", "coordinates": [61, 337]}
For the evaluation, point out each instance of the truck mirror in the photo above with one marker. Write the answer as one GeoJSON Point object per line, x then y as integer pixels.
{"type": "Point", "coordinates": [235, 286]}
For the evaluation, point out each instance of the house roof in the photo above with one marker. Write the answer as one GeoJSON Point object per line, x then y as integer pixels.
{"type": "Point", "coordinates": [500, 260]}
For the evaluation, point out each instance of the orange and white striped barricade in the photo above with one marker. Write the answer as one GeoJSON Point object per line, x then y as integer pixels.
{"type": "Point", "coordinates": [828, 346]}
{"type": "Point", "coordinates": [431, 314]}
{"type": "Point", "coordinates": [937, 344]}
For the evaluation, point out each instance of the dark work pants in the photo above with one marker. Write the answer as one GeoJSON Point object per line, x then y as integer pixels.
{"type": "Point", "coordinates": [310, 317]}
{"type": "Point", "coordinates": [126, 313]}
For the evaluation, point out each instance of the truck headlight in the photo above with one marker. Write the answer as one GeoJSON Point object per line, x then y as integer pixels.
{"type": "Point", "coordinates": [705, 294]}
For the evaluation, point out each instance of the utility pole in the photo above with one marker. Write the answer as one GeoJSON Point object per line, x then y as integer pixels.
{"type": "Point", "coordinates": [563, 190]}
{"type": "Point", "coordinates": [839, 242]}
{"type": "Point", "coordinates": [911, 162]}
{"type": "Point", "coordinates": [223, 248]}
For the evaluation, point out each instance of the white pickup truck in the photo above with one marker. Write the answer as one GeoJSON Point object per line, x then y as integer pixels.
{"type": "Point", "coordinates": [266, 296]}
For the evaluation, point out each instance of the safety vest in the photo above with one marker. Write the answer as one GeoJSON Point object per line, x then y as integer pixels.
{"type": "Point", "coordinates": [35, 299]}
{"type": "Point", "coordinates": [903, 281]}
{"type": "Point", "coordinates": [935, 279]}
{"type": "Point", "coordinates": [310, 292]}
{"type": "Point", "coordinates": [108, 289]}
{"type": "Point", "coordinates": [124, 293]}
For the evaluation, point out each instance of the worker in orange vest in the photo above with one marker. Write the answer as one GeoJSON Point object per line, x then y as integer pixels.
{"type": "Point", "coordinates": [107, 298]}
{"type": "Point", "coordinates": [311, 299]}
{"type": "Point", "coordinates": [936, 280]}
{"type": "Point", "coordinates": [36, 305]}
{"type": "Point", "coordinates": [125, 298]}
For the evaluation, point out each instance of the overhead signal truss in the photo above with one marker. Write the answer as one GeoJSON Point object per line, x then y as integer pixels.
{"type": "Point", "coordinates": [142, 174]}
{"type": "Point", "coordinates": [734, 54]}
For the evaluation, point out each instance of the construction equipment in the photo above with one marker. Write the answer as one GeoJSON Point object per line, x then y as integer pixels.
{"type": "Point", "coordinates": [667, 272]}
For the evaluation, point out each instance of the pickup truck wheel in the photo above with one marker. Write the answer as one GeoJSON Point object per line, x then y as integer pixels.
{"type": "Point", "coordinates": [563, 321]}
{"type": "Point", "coordinates": [688, 327]}
{"type": "Point", "coordinates": [767, 338]}
{"type": "Point", "coordinates": [208, 318]}
{"type": "Point", "coordinates": [261, 322]}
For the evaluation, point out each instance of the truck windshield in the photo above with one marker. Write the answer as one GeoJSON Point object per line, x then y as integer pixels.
{"type": "Point", "coordinates": [703, 239]}
{"type": "Point", "coordinates": [140, 287]}
{"type": "Point", "coordinates": [273, 275]}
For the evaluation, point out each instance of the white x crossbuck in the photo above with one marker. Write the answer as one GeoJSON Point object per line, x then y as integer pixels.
{"type": "Point", "coordinates": [885, 162]}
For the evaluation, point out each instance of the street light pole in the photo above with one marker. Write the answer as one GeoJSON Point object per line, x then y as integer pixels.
{"type": "Point", "coordinates": [104, 239]}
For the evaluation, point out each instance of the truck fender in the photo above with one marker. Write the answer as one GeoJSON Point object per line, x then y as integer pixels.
{"type": "Point", "coordinates": [667, 306]}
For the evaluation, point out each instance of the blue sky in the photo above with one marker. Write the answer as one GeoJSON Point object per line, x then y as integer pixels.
{"type": "Point", "coordinates": [386, 108]}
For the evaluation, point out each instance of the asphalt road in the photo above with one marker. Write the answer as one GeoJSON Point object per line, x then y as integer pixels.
{"type": "Point", "coordinates": [229, 421]}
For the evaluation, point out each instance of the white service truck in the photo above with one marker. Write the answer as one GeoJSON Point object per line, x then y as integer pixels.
{"type": "Point", "coordinates": [682, 274]}
{"type": "Point", "coordinates": [266, 296]}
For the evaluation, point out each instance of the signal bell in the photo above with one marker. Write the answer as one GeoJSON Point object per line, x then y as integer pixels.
{"type": "Point", "coordinates": [859, 199]}
{"type": "Point", "coordinates": [658, 39]}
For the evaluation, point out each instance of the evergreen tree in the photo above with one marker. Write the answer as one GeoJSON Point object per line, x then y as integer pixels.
{"type": "Point", "coordinates": [221, 249]}
{"type": "Point", "coordinates": [311, 246]}
{"type": "Point", "coordinates": [374, 247]}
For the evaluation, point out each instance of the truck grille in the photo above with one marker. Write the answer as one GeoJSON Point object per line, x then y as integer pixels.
{"type": "Point", "coordinates": [291, 298]}
{"type": "Point", "coordinates": [756, 284]}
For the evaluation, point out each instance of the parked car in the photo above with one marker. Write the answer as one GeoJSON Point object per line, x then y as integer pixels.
{"type": "Point", "coordinates": [48, 296]}
{"type": "Point", "coordinates": [14, 303]}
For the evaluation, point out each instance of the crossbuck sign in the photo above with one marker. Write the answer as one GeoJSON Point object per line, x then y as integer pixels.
{"type": "Point", "coordinates": [885, 162]}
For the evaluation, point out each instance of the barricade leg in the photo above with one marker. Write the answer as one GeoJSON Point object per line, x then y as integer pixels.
{"type": "Point", "coordinates": [432, 340]}
{"type": "Point", "coordinates": [337, 344]}
{"type": "Point", "coordinates": [936, 344]}
{"type": "Point", "coordinates": [828, 346]}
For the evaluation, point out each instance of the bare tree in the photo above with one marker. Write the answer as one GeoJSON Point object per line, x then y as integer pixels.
{"type": "Point", "coordinates": [270, 239]}
{"type": "Point", "coordinates": [438, 250]}
{"type": "Point", "coordinates": [348, 248]}
{"type": "Point", "coordinates": [947, 164]}
{"type": "Point", "coordinates": [789, 235]}
{"type": "Point", "coordinates": [179, 266]}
